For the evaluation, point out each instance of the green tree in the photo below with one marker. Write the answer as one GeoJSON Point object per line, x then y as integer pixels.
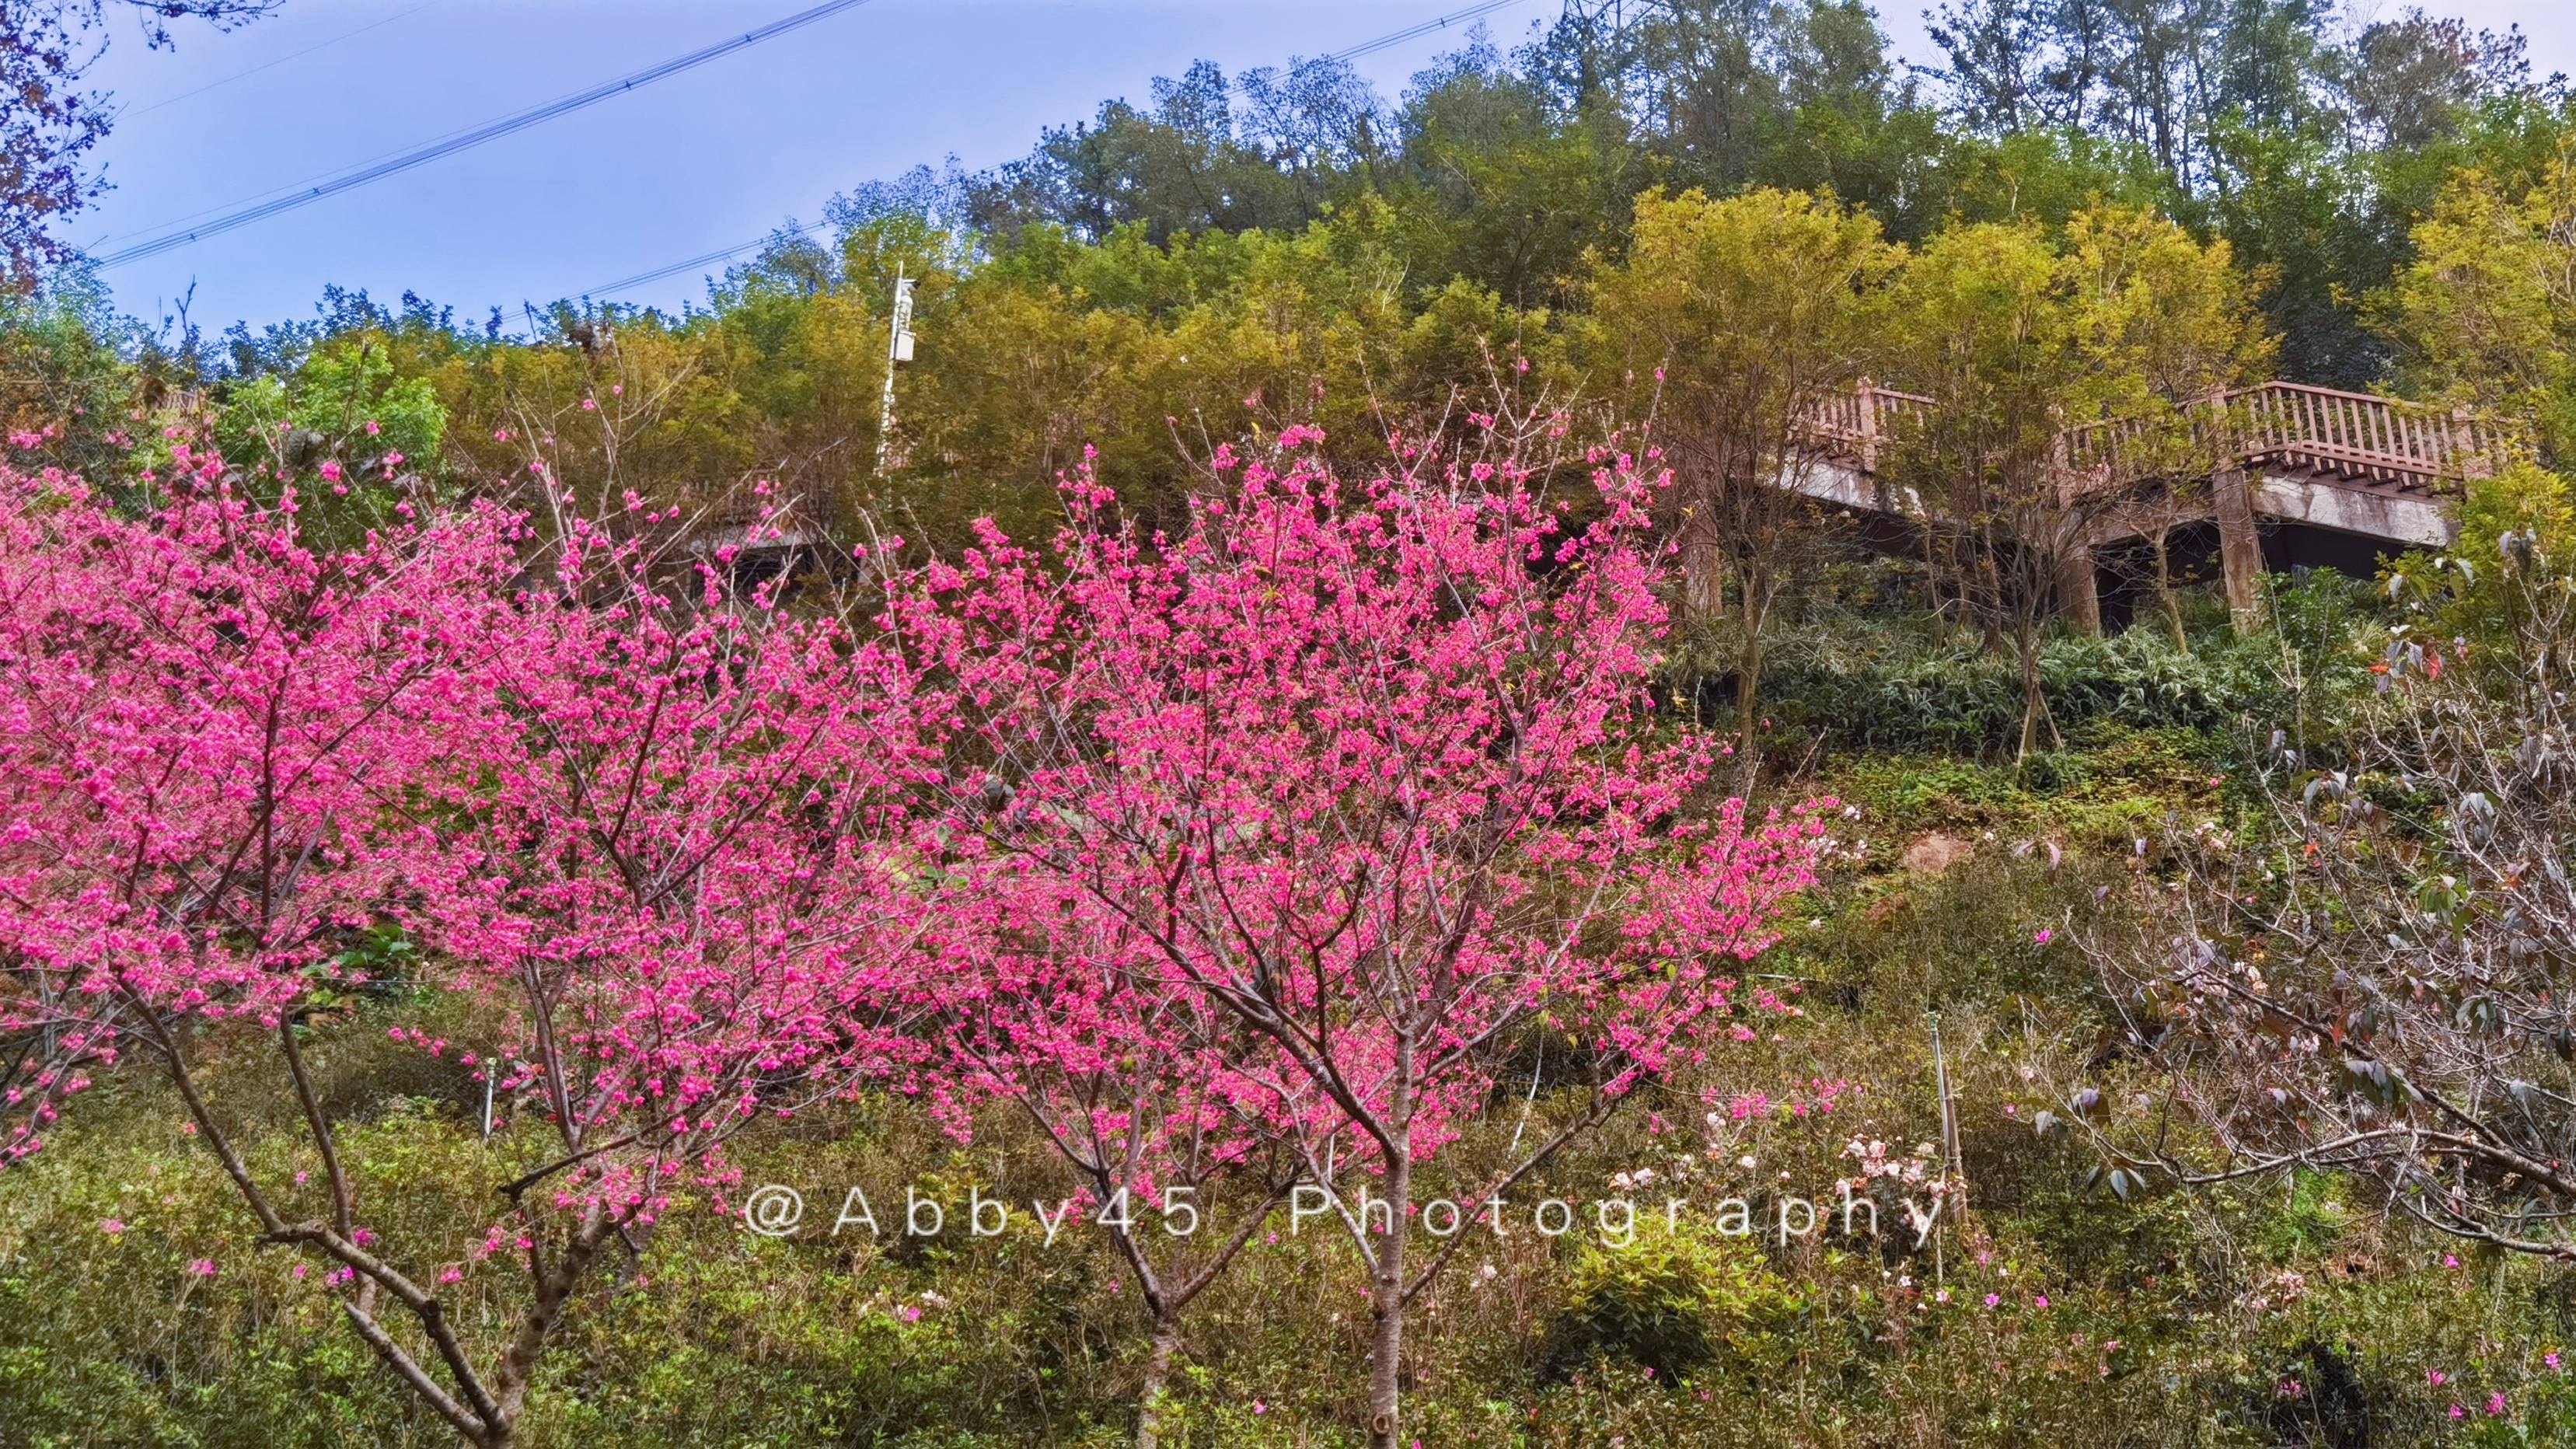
{"type": "Point", "coordinates": [2485, 313]}
{"type": "Point", "coordinates": [1731, 321]}
{"type": "Point", "coordinates": [2165, 324]}
{"type": "Point", "coordinates": [1981, 323]}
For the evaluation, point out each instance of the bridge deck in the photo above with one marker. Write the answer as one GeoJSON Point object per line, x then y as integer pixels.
{"type": "Point", "coordinates": [2355, 462]}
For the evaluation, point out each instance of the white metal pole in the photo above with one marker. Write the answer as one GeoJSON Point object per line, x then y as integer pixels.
{"type": "Point", "coordinates": [898, 352]}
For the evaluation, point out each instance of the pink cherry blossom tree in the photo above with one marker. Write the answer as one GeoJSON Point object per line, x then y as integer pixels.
{"type": "Point", "coordinates": [1134, 1077]}
{"type": "Point", "coordinates": [199, 719]}
{"type": "Point", "coordinates": [1370, 774]}
{"type": "Point", "coordinates": [622, 803]}
{"type": "Point", "coordinates": [688, 874]}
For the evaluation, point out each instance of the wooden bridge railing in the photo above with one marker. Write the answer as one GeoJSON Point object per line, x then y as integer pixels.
{"type": "Point", "coordinates": [2355, 436]}
{"type": "Point", "coordinates": [1855, 423]}
{"type": "Point", "coordinates": [2353, 433]}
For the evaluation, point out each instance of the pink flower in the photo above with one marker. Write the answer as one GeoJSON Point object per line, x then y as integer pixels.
{"type": "Point", "coordinates": [1993, 1298]}
{"type": "Point", "coordinates": [1130, 678]}
{"type": "Point", "coordinates": [112, 1227]}
{"type": "Point", "coordinates": [2550, 1358]}
{"type": "Point", "coordinates": [2039, 1300]}
{"type": "Point", "coordinates": [2495, 1405]}
{"type": "Point", "coordinates": [2043, 936]}
{"type": "Point", "coordinates": [2435, 1378]}
{"type": "Point", "coordinates": [203, 1267]}
{"type": "Point", "coordinates": [2458, 1413]}
{"type": "Point", "coordinates": [330, 470]}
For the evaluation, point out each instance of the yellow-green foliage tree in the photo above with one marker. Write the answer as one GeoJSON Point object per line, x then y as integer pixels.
{"type": "Point", "coordinates": [2485, 314]}
{"type": "Point", "coordinates": [2023, 338]}
{"type": "Point", "coordinates": [1149, 353]}
{"type": "Point", "coordinates": [2166, 324]}
{"type": "Point", "coordinates": [1981, 323]}
{"type": "Point", "coordinates": [1731, 320]}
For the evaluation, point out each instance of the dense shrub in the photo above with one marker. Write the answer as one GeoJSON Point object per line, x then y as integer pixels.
{"type": "Point", "coordinates": [1674, 1303]}
{"type": "Point", "coordinates": [2255, 1316]}
{"type": "Point", "coordinates": [1864, 676]}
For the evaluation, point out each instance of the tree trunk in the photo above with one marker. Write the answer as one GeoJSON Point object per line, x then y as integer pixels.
{"type": "Point", "coordinates": [2165, 599]}
{"type": "Point", "coordinates": [1703, 575]}
{"type": "Point", "coordinates": [1990, 599]}
{"type": "Point", "coordinates": [1158, 1377]}
{"type": "Point", "coordinates": [1748, 681]}
{"type": "Point", "coordinates": [554, 1289]}
{"type": "Point", "coordinates": [1387, 1308]}
{"type": "Point", "coordinates": [1748, 672]}
{"type": "Point", "coordinates": [2034, 700]}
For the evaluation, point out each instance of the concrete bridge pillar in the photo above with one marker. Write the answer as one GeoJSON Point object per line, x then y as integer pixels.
{"type": "Point", "coordinates": [2240, 548]}
{"type": "Point", "coordinates": [2077, 596]}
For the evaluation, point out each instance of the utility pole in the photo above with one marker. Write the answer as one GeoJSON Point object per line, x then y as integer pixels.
{"type": "Point", "coordinates": [898, 352]}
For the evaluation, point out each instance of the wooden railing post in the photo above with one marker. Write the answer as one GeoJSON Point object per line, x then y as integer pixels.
{"type": "Point", "coordinates": [2222, 438]}
{"type": "Point", "coordinates": [2079, 595]}
{"type": "Point", "coordinates": [2462, 435]}
{"type": "Point", "coordinates": [1868, 394]}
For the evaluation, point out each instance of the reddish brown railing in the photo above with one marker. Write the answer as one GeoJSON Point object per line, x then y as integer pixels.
{"type": "Point", "coordinates": [1853, 424]}
{"type": "Point", "coordinates": [2355, 436]}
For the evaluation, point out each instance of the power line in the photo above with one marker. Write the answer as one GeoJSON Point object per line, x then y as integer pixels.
{"type": "Point", "coordinates": [728, 254]}
{"type": "Point", "coordinates": [466, 140]}
{"type": "Point", "coordinates": [1436, 22]}
{"type": "Point", "coordinates": [272, 65]}
{"type": "Point", "coordinates": [1366, 47]}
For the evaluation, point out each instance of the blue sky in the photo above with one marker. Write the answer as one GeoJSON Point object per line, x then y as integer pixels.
{"type": "Point", "coordinates": [690, 165]}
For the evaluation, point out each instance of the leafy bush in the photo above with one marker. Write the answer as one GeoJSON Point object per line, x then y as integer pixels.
{"type": "Point", "coordinates": [1865, 677]}
{"type": "Point", "coordinates": [1673, 1302]}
